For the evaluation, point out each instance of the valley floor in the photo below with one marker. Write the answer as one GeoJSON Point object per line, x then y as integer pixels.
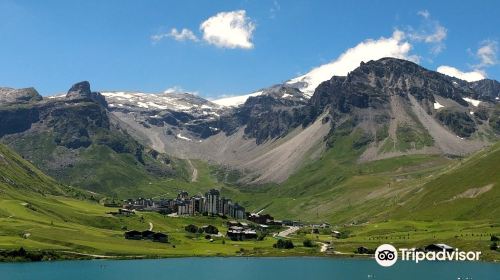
{"type": "Point", "coordinates": [42, 226]}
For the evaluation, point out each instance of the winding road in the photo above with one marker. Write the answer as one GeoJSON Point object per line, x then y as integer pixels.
{"type": "Point", "coordinates": [288, 231]}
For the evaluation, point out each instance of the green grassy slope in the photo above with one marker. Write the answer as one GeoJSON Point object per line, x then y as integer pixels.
{"type": "Point", "coordinates": [35, 215]}
{"type": "Point", "coordinates": [38, 214]}
{"type": "Point", "coordinates": [467, 190]}
{"type": "Point", "coordinates": [338, 189]}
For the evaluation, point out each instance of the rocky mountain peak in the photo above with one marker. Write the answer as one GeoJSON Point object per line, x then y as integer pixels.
{"type": "Point", "coordinates": [24, 95]}
{"type": "Point", "coordinates": [82, 90]}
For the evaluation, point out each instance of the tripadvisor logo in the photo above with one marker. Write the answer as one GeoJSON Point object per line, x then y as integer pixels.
{"type": "Point", "coordinates": [386, 255]}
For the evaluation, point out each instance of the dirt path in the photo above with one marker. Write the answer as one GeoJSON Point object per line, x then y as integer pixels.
{"type": "Point", "coordinates": [101, 256]}
{"type": "Point", "coordinates": [288, 231]}
{"type": "Point", "coordinates": [324, 247]}
{"type": "Point", "coordinates": [194, 176]}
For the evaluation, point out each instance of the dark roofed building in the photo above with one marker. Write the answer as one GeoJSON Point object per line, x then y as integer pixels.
{"type": "Point", "coordinates": [133, 234]}
{"type": "Point", "coordinates": [147, 234]}
{"type": "Point", "coordinates": [160, 237]}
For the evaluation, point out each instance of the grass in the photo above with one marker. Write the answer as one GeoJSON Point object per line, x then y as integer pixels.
{"type": "Point", "coordinates": [465, 235]}
{"type": "Point", "coordinates": [409, 201]}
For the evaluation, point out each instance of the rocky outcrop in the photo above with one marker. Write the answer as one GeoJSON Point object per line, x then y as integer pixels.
{"type": "Point", "coordinates": [267, 116]}
{"type": "Point", "coordinates": [81, 91]}
{"type": "Point", "coordinates": [487, 89]}
{"type": "Point", "coordinates": [24, 95]}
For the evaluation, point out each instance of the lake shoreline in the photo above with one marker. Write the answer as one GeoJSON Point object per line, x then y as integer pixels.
{"type": "Point", "coordinates": [60, 256]}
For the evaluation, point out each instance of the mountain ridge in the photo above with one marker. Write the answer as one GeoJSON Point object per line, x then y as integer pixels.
{"type": "Point", "coordinates": [395, 106]}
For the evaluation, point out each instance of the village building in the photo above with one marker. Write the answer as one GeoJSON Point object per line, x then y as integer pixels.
{"type": "Point", "coordinates": [133, 234]}
{"type": "Point", "coordinates": [160, 237]}
{"type": "Point", "coordinates": [438, 248]}
{"type": "Point", "coordinates": [212, 204]}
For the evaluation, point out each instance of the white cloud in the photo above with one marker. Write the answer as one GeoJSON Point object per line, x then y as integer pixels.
{"type": "Point", "coordinates": [229, 30]}
{"type": "Point", "coordinates": [183, 35]}
{"type": "Point", "coordinates": [274, 9]}
{"type": "Point", "coordinates": [395, 46]}
{"type": "Point", "coordinates": [430, 32]}
{"type": "Point", "coordinates": [424, 13]}
{"type": "Point", "coordinates": [179, 89]}
{"type": "Point", "coordinates": [471, 76]}
{"type": "Point", "coordinates": [233, 101]}
{"type": "Point", "coordinates": [487, 54]}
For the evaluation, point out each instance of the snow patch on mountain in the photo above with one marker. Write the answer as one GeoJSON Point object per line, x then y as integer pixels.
{"type": "Point", "coordinates": [180, 102]}
{"type": "Point", "coordinates": [474, 102]}
{"type": "Point", "coordinates": [183, 137]}
{"type": "Point", "coordinates": [235, 101]}
{"type": "Point", "coordinates": [437, 105]}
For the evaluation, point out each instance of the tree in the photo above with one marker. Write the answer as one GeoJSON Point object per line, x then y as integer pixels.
{"type": "Point", "coordinates": [284, 244]}
{"type": "Point", "coordinates": [495, 238]}
{"type": "Point", "coordinates": [494, 246]}
{"type": "Point", "coordinates": [191, 228]}
{"type": "Point", "coordinates": [308, 243]}
{"type": "Point", "coordinates": [210, 229]}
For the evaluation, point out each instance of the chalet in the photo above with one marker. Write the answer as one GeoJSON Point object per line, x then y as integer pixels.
{"type": "Point", "coordinates": [232, 223]}
{"type": "Point", "coordinates": [336, 233]}
{"type": "Point", "coordinates": [264, 227]}
{"type": "Point", "coordinates": [147, 234]}
{"type": "Point", "coordinates": [438, 248]}
{"type": "Point", "coordinates": [325, 225]}
{"type": "Point", "coordinates": [261, 219]}
{"type": "Point", "coordinates": [126, 212]}
{"type": "Point", "coordinates": [249, 234]}
{"type": "Point", "coordinates": [133, 234]}
{"type": "Point", "coordinates": [160, 237]}
{"type": "Point", "coordinates": [238, 233]}
{"type": "Point", "coordinates": [363, 250]}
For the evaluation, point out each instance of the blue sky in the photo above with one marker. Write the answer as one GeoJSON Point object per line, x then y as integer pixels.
{"type": "Point", "coordinates": [130, 45]}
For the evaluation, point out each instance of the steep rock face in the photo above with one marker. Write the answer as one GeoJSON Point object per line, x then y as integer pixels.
{"type": "Point", "coordinates": [487, 89]}
{"type": "Point", "coordinates": [372, 83]}
{"type": "Point", "coordinates": [81, 91]}
{"type": "Point", "coordinates": [267, 116]}
{"type": "Point", "coordinates": [17, 119]}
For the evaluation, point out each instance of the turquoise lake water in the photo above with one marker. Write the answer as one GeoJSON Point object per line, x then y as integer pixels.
{"type": "Point", "coordinates": [246, 269]}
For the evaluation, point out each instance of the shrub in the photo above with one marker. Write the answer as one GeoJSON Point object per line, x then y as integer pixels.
{"type": "Point", "coordinates": [284, 244]}
{"type": "Point", "coordinates": [308, 243]}
{"type": "Point", "coordinates": [191, 228]}
{"type": "Point", "coordinates": [495, 238]}
{"type": "Point", "coordinates": [210, 229]}
{"type": "Point", "coordinates": [494, 246]}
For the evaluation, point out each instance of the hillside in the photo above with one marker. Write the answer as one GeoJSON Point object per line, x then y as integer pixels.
{"type": "Point", "coordinates": [20, 175]}
{"type": "Point", "coordinates": [74, 139]}
{"type": "Point", "coordinates": [36, 215]}
{"type": "Point", "coordinates": [340, 190]}
{"type": "Point", "coordinates": [400, 108]}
